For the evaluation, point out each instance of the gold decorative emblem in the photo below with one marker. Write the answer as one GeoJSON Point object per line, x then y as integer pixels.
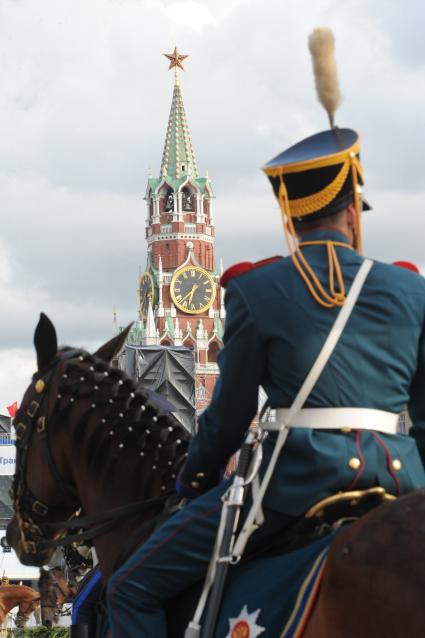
{"type": "Point", "coordinates": [39, 386]}
{"type": "Point", "coordinates": [146, 292]}
{"type": "Point", "coordinates": [176, 59]}
{"type": "Point", "coordinates": [192, 290]}
{"type": "Point", "coordinates": [245, 624]}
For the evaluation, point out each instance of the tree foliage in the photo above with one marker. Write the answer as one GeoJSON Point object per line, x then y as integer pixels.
{"type": "Point", "coordinates": [39, 632]}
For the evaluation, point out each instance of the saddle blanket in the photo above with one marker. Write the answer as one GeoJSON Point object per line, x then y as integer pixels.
{"type": "Point", "coordinates": [273, 597]}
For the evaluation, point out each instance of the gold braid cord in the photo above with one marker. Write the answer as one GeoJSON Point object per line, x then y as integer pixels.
{"type": "Point", "coordinates": [307, 205]}
{"type": "Point", "coordinates": [312, 203]}
{"type": "Point", "coordinates": [355, 173]}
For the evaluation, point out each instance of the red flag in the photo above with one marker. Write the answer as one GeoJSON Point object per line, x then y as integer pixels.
{"type": "Point", "coordinates": [12, 409]}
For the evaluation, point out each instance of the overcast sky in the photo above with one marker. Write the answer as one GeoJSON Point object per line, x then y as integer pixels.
{"type": "Point", "coordinates": [84, 102]}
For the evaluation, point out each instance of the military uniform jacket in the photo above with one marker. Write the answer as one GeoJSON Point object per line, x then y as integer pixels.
{"type": "Point", "coordinates": [274, 332]}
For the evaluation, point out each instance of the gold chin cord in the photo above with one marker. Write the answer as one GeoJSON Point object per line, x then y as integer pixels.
{"type": "Point", "coordinates": [356, 172]}
{"type": "Point", "coordinates": [336, 295]}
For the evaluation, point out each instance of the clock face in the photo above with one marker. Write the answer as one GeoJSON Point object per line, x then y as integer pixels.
{"type": "Point", "coordinates": [146, 291]}
{"type": "Point", "coordinates": [192, 289]}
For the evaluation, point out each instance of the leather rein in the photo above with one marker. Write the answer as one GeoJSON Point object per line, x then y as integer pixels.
{"type": "Point", "coordinates": [26, 506]}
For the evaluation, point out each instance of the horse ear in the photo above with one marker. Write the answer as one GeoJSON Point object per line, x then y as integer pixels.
{"type": "Point", "coordinates": [45, 341]}
{"type": "Point", "coordinates": [114, 346]}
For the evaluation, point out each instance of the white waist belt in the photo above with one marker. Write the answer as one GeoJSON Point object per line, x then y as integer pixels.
{"type": "Point", "coordinates": [336, 419]}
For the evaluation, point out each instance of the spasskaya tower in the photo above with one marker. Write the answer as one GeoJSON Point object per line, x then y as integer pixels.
{"type": "Point", "coordinates": [179, 297]}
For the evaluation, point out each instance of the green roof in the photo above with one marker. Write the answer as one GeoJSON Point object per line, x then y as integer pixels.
{"type": "Point", "coordinates": [218, 325]}
{"type": "Point", "coordinates": [154, 182]}
{"type": "Point", "coordinates": [170, 325]}
{"type": "Point", "coordinates": [201, 182]}
{"type": "Point", "coordinates": [136, 333]}
{"type": "Point", "coordinates": [178, 159]}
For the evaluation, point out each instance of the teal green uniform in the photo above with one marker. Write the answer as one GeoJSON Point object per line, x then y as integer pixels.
{"type": "Point", "coordinates": [274, 332]}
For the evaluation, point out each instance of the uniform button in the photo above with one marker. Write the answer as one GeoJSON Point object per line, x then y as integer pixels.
{"type": "Point", "coordinates": [200, 475]}
{"type": "Point", "coordinates": [354, 463]}
{"type": "Point", "coordinates": [195, 484]}
{"type": "Point", "coordinates": [397, 465]}
{"type": "Point", "coordinates": [346, 430]}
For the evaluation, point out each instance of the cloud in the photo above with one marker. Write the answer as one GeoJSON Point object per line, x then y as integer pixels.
{"type": "Point", "coordinates": [16, 375]}
{"type": "Point", "coordinates": [190, 14]}
{"type": "Point", "coordinates": [84, 104]}
{"type": "Point", "coordinates": [81, 318]}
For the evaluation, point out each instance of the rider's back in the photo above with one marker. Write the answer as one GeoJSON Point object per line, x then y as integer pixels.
{"type": "Point", "coordinates": [375, 365]}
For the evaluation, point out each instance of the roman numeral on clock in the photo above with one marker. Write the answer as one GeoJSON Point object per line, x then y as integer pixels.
{"type": "Point", "coordinates": [192, 289]}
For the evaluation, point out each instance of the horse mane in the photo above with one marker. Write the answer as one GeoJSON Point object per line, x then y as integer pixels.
{"type": "Point", "coordinates": [117, 419]}
{"type": "Point", "coordinates": [46, 575]}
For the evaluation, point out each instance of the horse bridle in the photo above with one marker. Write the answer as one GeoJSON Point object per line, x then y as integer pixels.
{"type": "Point", "coordinates": [26, 505]}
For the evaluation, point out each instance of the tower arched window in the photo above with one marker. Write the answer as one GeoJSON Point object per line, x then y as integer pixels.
{"type": "Point", "coordinates": [188, 199]}
{"type": "Point", "coordinates": [213, 350]}
{"type": "Point", "coordinates": [189, 342]}
{"type": "Point", "coordinates": [169, 200]}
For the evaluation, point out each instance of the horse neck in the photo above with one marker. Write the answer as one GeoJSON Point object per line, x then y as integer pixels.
{"type": "Point", "coordinates": [12, 595]}
{"type": "Point", "coordinates": [63, 588]}
{"type": "Point", "coordinates": [127, 485]}
{"type": "Point", "coordinates": [16, 591]}
{"type": "Point", "coordinates": [110, 545]}
{"type": "Point", "coordinates": [119, 450]}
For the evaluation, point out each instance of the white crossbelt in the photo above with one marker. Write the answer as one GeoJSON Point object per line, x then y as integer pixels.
{"type": "Point", "coordinates": [337, 419]}
{"type": "Point", "coordinates": [299, 401]}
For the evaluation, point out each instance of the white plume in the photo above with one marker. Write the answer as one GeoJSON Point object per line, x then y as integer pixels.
{"type": "Point", "coordinates": [322, 48]}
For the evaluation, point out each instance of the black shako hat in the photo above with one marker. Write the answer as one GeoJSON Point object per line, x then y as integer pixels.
{"type": "Point", "coordinates": [317, 177]}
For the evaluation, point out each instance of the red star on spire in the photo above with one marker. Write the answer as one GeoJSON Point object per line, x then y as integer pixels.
{"type": "Point", "coordinates": [176, 59]}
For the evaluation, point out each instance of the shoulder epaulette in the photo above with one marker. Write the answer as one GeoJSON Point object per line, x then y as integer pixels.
{"type": "Point", "coordinates": [244, 266]}
{"type": "Point", "coordinates": [408, 265]}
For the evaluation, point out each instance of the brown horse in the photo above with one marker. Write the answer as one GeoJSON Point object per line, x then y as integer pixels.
{"type": "Point", "coordinates": [26, 599]}
{"type": "Point", "coordinates": [374, 579]}
{"type": "Point", "coordinates": [54, 593]}
{"type": "Point", "coordinates": [102, 444]}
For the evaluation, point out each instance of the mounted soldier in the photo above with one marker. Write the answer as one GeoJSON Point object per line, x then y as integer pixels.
{"type": "Point", "coordinates": [279, 313]}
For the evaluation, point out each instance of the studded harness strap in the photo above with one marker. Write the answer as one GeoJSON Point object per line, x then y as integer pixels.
{"type": "Point", "coordinates": [27, 506]}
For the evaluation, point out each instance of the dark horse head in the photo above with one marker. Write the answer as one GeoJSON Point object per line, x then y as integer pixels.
{"type": "Point", "coordinates": [94, 456]}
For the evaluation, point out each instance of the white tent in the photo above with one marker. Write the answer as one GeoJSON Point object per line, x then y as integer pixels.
{"type": "Point", "coordinates": [13, 569]}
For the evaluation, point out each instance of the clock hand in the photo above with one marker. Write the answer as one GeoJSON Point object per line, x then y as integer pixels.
{"type": "Point", "coordinates": [192, 292]}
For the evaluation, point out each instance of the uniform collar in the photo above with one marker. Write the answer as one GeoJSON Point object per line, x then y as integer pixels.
{"type": "Point", "coordinates": [324, 234]}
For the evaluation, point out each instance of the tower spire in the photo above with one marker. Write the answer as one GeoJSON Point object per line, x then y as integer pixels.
{"type": "Point", "coordinates": [178, 159]}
